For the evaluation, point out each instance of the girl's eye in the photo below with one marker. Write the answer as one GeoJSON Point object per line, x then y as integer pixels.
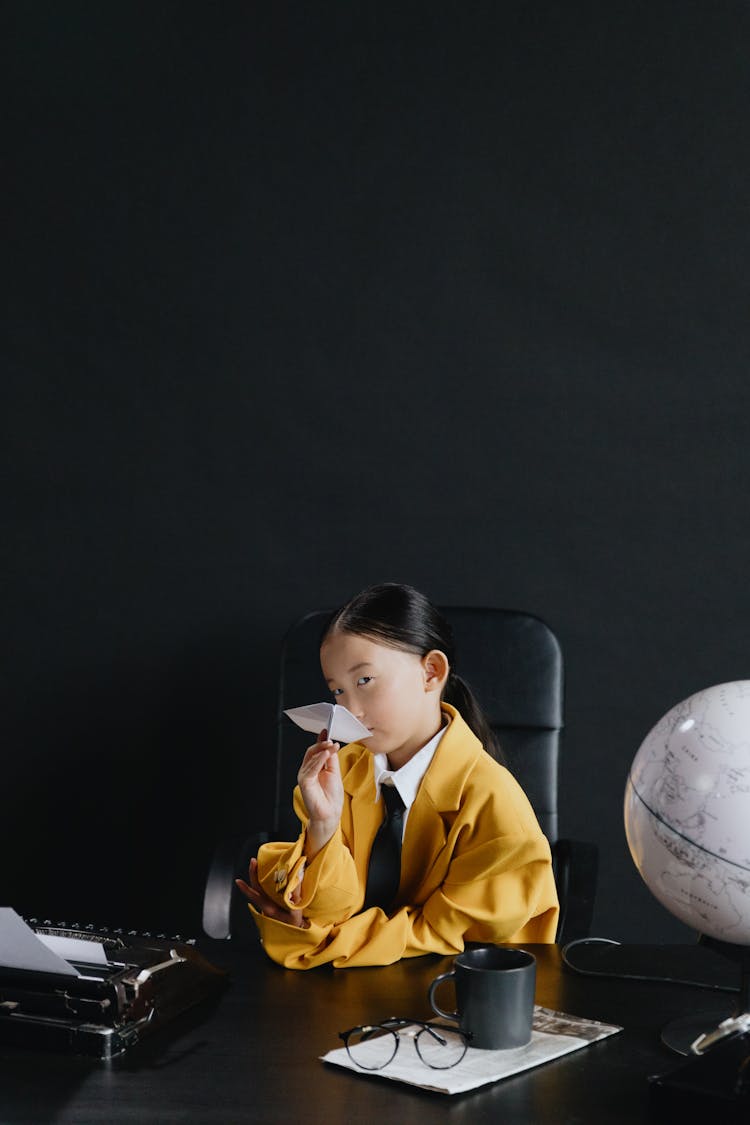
{"type": "Point", "coordinates": [336, 691]}
{"type": "Point", "coordinates": [363, 680]}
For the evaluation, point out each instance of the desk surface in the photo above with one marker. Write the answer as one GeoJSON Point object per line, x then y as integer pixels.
{"type": "Point", "coordinates": [255, 1058]}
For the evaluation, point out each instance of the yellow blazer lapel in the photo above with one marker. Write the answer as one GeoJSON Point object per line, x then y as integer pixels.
{"type": "Point", "coordinates": [434, 811]}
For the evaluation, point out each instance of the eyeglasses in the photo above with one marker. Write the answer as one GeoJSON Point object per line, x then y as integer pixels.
{"type": "Point", "coordinates": [374, 1046]}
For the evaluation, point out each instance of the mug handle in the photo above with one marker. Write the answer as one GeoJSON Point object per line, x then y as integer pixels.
{"type": "Point", "coordinates": [435, 1007]}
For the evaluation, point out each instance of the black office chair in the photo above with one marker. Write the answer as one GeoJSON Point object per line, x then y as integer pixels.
{"type": "Point", "coordinates": [514, 665]}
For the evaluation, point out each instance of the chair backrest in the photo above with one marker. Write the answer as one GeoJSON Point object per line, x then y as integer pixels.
{"type": "Point", "coordinates": [511, 660]}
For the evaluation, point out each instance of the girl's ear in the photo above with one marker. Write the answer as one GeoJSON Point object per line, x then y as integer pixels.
{"type": "Point", "coordinates": [436, 668]}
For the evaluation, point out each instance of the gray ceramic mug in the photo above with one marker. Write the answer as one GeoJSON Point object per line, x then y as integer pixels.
{"type": "Point", "coordinates": [494, 996]}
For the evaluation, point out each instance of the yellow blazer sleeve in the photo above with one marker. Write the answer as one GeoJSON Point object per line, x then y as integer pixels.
{"type": "Point", "coordinates": [475, 867]}
{"type": "Point", "coordinates": [328, 886]}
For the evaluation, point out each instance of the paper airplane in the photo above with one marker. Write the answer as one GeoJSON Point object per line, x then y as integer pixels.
{"type": "Point", "coordinates": [340, 723]}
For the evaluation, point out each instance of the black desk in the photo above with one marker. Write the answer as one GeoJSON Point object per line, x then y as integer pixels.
{"type": "Point", "coordinates": [255, 1058]}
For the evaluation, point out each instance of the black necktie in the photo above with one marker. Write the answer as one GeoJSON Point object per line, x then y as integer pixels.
{"type": "Point", "coordinates": [384, 871]}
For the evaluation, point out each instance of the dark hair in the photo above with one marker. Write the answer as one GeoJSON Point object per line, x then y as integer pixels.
{"type": "Point", "coordinates": [402, 617]}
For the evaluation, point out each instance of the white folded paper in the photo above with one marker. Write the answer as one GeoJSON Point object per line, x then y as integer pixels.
{"type": "Point", "coordinates": [22, 948]}
{"type": "Point", "coordinates": [341, 725]}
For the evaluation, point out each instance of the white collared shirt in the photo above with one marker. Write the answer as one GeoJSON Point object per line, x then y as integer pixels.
{"type": "Point", "coordinates": [407, 779]}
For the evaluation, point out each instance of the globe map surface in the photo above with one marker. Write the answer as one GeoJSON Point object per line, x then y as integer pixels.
{"type": "Point", "coordinates": [687, 811]}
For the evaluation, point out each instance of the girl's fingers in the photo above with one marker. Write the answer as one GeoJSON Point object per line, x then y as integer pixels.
{"type": "Point", "coordinates": [332, 757]}
{"type": "Point", "coordinates": [255, 894]}
{"type": "Point", "coordinates": [250, 893]}
{"type": "Point", "coordinates": [317, 747]}
{"type": "Point", "coordinates": [323, 739]}
{"type": "Point", "coordinates": [317, 756]}
{"type": "Point", "coordinates": [311, 766]}
{"type": "Point", "coordinates": [252, 889]}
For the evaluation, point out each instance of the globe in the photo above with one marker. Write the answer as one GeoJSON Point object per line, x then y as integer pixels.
{"type": "Point", "coordinates": [687, 811]}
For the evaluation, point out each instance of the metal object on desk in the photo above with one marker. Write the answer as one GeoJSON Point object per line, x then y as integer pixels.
{"type": "Point", "coordinates": [106, 1008]}
{"type": "Point", "coordinates": [716, 1074]}
{"type": "Point", "coordinates": [715, 1077]}
{"type": "Point", "coordinates": [704, 1025]}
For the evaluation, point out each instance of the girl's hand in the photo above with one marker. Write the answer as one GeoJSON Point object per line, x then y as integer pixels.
{"type": "Point", "coordinates": [319, 779]}
{"type": "Point", "coordinates": [265, 905]}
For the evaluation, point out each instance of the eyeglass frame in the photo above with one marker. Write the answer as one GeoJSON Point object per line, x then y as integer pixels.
{"type": "Point", "coordinates": [391, 1024]}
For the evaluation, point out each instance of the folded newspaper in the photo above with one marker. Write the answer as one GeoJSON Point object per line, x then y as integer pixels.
{"type": "Point", "coordinates": [554, 1034]}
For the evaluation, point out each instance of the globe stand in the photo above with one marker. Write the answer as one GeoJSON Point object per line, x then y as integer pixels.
{"type": "Point", "coordinates": [680, 1034]}
{"type": "Point", "coordinates": [713, 1082]}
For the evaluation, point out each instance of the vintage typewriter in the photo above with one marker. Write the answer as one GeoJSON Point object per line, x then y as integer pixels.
{"type": "Point", "coordinates": [132, 984]}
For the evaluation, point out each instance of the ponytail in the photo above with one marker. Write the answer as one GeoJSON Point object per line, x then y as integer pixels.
{"type": "Point", "coordinates": [459, 695]}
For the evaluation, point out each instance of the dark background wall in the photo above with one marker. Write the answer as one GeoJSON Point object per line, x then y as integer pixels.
{"type": "Point", "coordinates": [303, 297]}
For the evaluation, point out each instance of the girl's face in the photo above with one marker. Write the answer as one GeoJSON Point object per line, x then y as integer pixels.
{"type": "Point", "coordinates": [395, 694]}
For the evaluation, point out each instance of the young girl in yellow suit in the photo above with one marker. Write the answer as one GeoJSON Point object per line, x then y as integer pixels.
{"type": "Point", "coordinates": [475, 865]}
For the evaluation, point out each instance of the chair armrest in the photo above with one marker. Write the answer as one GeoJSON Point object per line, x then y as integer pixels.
{"type": "Point", "coordinates": [576, 865]}
{"type": "Point", "coordinates": [224, 916]}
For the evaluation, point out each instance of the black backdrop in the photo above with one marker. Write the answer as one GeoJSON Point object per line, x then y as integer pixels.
{"type": "Point", "coordinates": [303, 297]}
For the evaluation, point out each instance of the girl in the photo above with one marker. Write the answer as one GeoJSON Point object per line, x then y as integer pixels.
{"type": "Point", "coordinates": [475, 865]}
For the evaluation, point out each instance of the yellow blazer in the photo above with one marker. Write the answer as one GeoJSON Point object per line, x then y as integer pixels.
{"type": "Point", "coordinates": [475, 866]}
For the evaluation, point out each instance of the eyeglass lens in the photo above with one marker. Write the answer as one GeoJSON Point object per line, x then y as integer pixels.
{"type": "Point", "coordinates": [442, 1049]}
{"type": "Point", "coordinates": [373, 1048]}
